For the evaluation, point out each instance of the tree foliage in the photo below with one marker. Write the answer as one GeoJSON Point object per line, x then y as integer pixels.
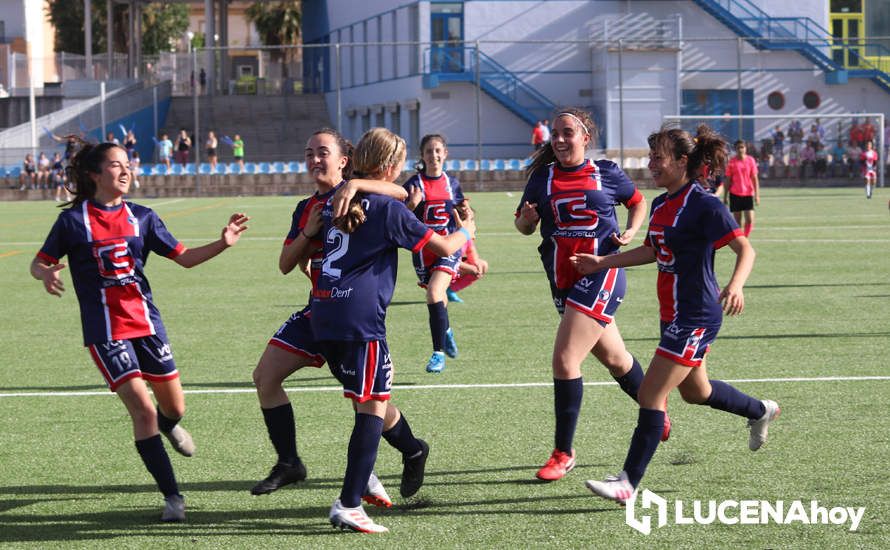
{"type": "Point", "coordinates": [161, 23]}
{"type": "Point", "coordinates": [278, 23]}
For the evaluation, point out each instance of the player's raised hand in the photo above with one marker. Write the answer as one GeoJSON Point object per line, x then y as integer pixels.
{"type": "Point", "coordinates": [469, 223]}
{"type": "Point", "coordinates": [314, 221]}
{"type": "Point", "coordinates": [49, 274]}
{"type": "Point", "coordinates": [529, 213]}
{"type": "Point", "coordinates": [732, 299]}
{"type": "Point", "coordinates": [232, 232]}
{"type": "Point", "coordinates": [587, 263]}
{"type": "Point", "coordinates": [340, 201]}
{"type": "Point", "coordinates": [415, 195]}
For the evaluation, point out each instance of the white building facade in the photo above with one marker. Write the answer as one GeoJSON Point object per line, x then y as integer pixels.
{"type": "Point", "coordinates": [413, 67]}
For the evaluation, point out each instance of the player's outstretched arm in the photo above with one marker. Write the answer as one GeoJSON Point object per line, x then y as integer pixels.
{"type": "Point", "coordinates": [588, 263]}
{"type": "Point", "coordinates": [732, 297]}
{"type": "Point", "coordinates": [528, 218]}
{"type": "Point", "coordinates": [230, 235]}
{"type": "Point", "coordinates": [636, 214]}
{"type": "Point", "coordinates": [449, 244]}
{"type": "Point", "coordinates": [347, 191]}
{"type": "Point", "coordinates": [49, 274]}
{"type": "Point", "coordinates": [299, 250]}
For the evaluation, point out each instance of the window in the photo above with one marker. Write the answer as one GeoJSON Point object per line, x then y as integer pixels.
{"type": "Point", "coordinates": [775, 100]}
{"type": "Point", "coordinates": [811, 100]}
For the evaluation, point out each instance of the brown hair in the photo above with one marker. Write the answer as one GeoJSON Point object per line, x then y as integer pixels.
{"type": "Point", "coordinates": [421, 165]}
{"type": "Point", "coordinates": [345, 147]}
{"type": "Point", "coordinates": [706, 148]}
{"type": "Point", "coordinates": [377, 150]}
{"type": "Point", "coordinates": [87, 160]}
{"type": "Point", "coordinates": [545, 155]}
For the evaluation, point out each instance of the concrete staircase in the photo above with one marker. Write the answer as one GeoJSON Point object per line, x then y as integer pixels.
{"type": "Point", "coordinates": [274, 128]}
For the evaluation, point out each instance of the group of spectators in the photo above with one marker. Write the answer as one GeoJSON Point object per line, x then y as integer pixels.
{"type": "Point", "coordinates": [180, 150]}
{"type": "Point", "coordinates": [802, 153]}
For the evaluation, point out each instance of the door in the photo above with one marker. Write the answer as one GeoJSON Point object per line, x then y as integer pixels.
{"type": "Point", "coordinates": [847, 28]}
{"type": "Point", "coordinates": [447, 35]}
{"type": "Point", "coordinates": [724, 103]}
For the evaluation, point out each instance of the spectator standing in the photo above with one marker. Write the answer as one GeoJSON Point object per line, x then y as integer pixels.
{"type": "Point", "coordinates": [545, 129]}
{"type": "Point", "coordinates": [238, 151]}
{"type": "Point", "coordinates": [778, 143]}
{"type": "Point", "coordinates": [211, 144]}
{"type": "Point", "coordinates": [183, 145]}
{"type": "Point", "coordinates": [538, 136]}
{"type": "Point", "coordinates": [855, 134]}
{"type": "Point", "coordinates": [165, 150]}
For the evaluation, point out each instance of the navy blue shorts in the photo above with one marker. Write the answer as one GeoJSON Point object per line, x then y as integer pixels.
{"type": "Point", "coordinates": [120, 360]}
{"type": "Point", "coordinates": [685, 344]}
{"type": "Point", "coordinates": [599, 294]}
{"type": "Point", "coordinates": [295, 336]}
{"type": "Point", "coordinates": [364, 368]}
{"type": "Point", "coordinates": [425, 263]}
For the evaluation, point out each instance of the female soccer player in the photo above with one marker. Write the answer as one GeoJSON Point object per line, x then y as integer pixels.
{"type": "Point", "coordinates": [293, 346]}
{"type": "Point", "coordinates": [573, 198]}
{"type": "Point", "coordinates": [358, 275]}
{"type": "Point", "coordinates": [433, 195]}
{"type": "Point", "coordinates": [686, 226]}
{"type": "Point", "coordinates": [743, 188]}
{"type": "Point", "coordinates": [869, 160]}
{"type": "Point", "coordinates": [107, 241]}
{"type": "Point", "coordinates": [472, 267]}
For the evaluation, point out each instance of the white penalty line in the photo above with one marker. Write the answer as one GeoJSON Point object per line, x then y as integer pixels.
{"type": "Point", "coordinates": [452, 386]}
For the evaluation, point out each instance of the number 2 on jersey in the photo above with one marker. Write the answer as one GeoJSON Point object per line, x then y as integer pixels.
{"type": "Point", "coordinates": [340, 242]}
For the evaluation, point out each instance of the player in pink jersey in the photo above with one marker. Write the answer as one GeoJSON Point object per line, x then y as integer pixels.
{"type": "Point", "coordinates": [869, 159]}
{"type": "Point", "coordinates": [293, 346]}
{"type": "Point", "coordinates": [107, 241]}
{"type": "Point", "coordinates": [687, 225]}
{"type": "Point", "coordinates": [743, 188]}
{"type": "Point", "coordinates": [573, 199]}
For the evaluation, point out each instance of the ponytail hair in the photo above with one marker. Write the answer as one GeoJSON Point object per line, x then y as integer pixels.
{"type": "Point", "coordinates": [376, 152]}
{"type": "Point", "coordinates": [86, 160]}
{"type": "Point", "coordinates": [707, 148]}
{"type": "Point", "coordinates": [545, 155]}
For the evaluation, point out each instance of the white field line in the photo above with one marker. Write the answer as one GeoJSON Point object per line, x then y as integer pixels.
{"type": "Point", "coordinates": [450, 386]}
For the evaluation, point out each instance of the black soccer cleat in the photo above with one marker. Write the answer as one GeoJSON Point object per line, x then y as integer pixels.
{"type": "Point", "coordinates": [412, 471]}
{"type": "Point", "coordinates": [282, 474]}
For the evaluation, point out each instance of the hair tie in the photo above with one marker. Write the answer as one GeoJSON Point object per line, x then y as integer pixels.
{"type": "Point", "coordinates": [580, 122]}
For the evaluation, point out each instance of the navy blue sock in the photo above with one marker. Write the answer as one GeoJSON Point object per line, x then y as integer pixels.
{"type": "Point", "coordinates": [567, 396]}
{"type": "Point", "coordinates": [157, 462]}
{"type": "Point", "coordinates": [360, 458]}
{"type": "Point", "coordinates": [726, 398]}
{"type": "Point", "coordinates": [631, 380]}
{"type": "Point", "coordinates": [401, 437]}
{"type": "Point", "coordinates": [165, 424]}
{"type": "Point", "coordinates": [438, 324]}
{"type": "Point", "coordinates": [282, 432]}
{"type": "Point", "coordinates": [650, 424]}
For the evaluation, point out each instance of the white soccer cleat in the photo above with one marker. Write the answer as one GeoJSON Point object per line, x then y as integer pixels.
{"type": "Point", "coordinates": [353, 518]}
{"type": "Point", "coordinates": [181, 440]}
{"type": "Point", "coordinates": [376, 494]}
{"type": "Point", "coordinates": [174, 509]}
{"type": "Point", "coordinates": [616, 488]}
{"type": "Point", "coordinates": [760, 427]}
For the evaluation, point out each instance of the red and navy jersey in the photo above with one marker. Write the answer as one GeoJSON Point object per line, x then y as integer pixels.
{"type": "Point", "coordinates": [686, 229]}
{"type": "Point", "coordinates": [298, 222]}
{"type": "Point", "coordinates": [439, 196]}
{"type": "Point", "coordinates": [577, 210]}
{"type": "Point", "coordinates": [358, 273]}
{"type": "Point", "coordinates": [107, 248]}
